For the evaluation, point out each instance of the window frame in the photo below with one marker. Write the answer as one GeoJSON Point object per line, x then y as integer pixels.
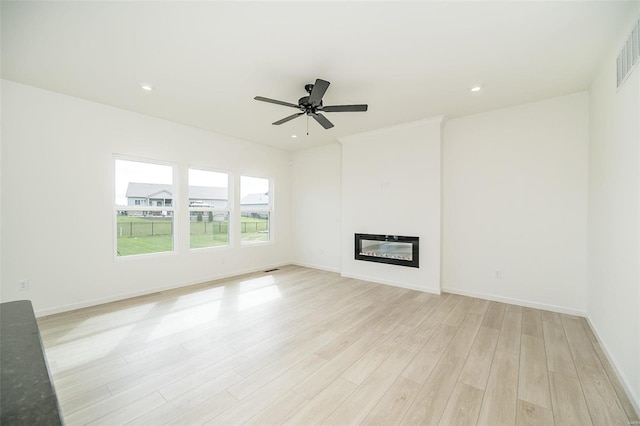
{"type": "Point", "coordinates": [228, 210]}
{"type": "Point", "coordinates": [270, 211]}
{"type": "Point", "coordinates": [146, 208]}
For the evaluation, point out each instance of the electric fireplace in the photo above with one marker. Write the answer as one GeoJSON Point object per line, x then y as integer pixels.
{"type": "Point", "coordinates": [391, 249]}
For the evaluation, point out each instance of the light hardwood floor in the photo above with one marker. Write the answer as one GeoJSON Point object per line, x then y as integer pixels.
{"type": "Point", "coordinates": [301, 346]}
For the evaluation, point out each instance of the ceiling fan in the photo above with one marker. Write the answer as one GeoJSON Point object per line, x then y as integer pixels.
{"type": "Point", "coordinates": [311, 105]}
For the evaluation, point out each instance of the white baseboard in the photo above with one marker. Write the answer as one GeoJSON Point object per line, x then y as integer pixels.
{"type": "Point", "coordinates": [518, 302]}
{"type": "Point", "coordinates": [634, 398]}
{"type": "Point", "coordinates": [128, 295]}
{"type": "Point", "coordinates": [314, 266]}
{"type": "Point", "coordinates": [391, 283]}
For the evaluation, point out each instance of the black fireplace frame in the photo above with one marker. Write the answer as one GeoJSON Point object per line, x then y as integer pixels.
{"type": "Point", "coordinates": [415, 248]}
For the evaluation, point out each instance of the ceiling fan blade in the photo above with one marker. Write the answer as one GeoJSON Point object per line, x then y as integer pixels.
{"type": "Point", "coordinates": [284, 120]}
{"type": "Point", "coordinates": [324, 122]}
{"type": "Point", "coordinates": [319, 89]}
{"type": "Point", "coordinates": [345, 108]}
{"type": "Point", "coordinates": [273, 101]}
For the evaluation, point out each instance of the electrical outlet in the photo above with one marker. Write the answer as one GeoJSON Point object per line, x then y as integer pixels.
{"type": "Point", "coordinates": [222, 260]}
{"type": "Point", "coordinates": [23, 285]}
{"type": "Point", "coordinates": [498, 274]}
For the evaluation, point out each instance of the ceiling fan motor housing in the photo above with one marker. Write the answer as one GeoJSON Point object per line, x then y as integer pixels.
{"type": "Point", "coordinates": [306, 106]}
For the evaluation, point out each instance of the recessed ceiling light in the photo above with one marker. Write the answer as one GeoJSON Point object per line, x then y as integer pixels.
{"type": "Point", "coordinates": [294, 136]}
{"type": "Point", "coordinates": [146, 86]}
{"type": "Point", "coordinates": [476, 88]}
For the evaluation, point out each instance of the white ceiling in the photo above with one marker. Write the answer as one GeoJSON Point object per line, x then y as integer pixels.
{"type": "Point", "coordinates": [407, 60]}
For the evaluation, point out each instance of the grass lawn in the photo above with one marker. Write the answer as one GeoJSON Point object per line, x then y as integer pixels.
{"type": "Point", "coordinates": [143, 235]}
{"type": "Point", "coordinates": [207, 240]}
{"type": "Point", "coordinates": [128, 246]}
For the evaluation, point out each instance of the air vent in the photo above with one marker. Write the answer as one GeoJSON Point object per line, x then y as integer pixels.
{"type": "Point", "coordinates": [271, 270]}
{"type": "Point", "coordinates": [629, 55]}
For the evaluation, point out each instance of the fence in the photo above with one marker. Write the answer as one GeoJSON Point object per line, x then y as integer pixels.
{"type": "Point", "coordinates": [165, 227]}
{"type": "Point", "coordinates": [249, 227]}
{"type": "Point", "coordinates": [145, 229]}
{"type": "Point", "coordinates": [211, 228]}
{"type": "Point", "coordinates": [160, 227]}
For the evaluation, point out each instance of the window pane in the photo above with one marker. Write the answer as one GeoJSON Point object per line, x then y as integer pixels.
{"type": "Point", "coordinates": [139, 234]}
{"type": "Point", "coordinates": [254, 209]}
{"type": "Point", "coordinates": [254, 226]}
{"type": "Point", "coordinates": [142, 185]}
{"type": "Point", "coordinates": [209, 229]}
{"type": "Point", "coordinates": [208, 190]}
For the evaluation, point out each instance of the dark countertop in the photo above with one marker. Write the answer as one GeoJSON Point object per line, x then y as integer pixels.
{"type": "Point", "coordinates": [27, 395]}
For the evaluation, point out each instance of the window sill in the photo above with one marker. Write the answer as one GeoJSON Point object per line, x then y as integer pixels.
{"type": "Point", "coordinates": [117, 258]}
{"type": "Point", "coordinates": [205, 249]}
{"type": "Point", "coordinates": [256, 244]}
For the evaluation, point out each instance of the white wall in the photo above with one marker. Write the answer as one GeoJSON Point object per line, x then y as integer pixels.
{"type": "Point", "coordinates": [391, 185]}
{"type": "Point", "coordinates": [316, 192]}
{"type": "Point", "coordinates": [57, 200]}
{"type": "Point", "coordinates": [614, 219]}
{"type": "Point", "coordinates": [515, 200]}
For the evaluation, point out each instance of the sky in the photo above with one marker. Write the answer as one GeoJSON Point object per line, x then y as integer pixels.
{"type": "Point", "coordinates": [134, 171]}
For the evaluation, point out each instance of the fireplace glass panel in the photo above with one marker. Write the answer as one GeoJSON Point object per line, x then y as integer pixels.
{"type": "Point", "coordinates": [387, 249]}
{"type": "Point", "coordinates": [391, 249]}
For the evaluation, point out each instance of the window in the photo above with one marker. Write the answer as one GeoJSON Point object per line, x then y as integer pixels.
{"type": "Point", "coordinates": [208, 209]}
{"type": "Point", "coordinates": [255, 210]}
{"type": "Point", "coordinates": [143, 207]}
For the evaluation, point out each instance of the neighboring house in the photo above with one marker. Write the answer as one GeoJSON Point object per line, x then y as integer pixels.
{"type": "Point", "coordinates": [208, 196]}
{"type": "Point", "coordinates": [253, 204]}
{"type": "Point", "coordinates": [159, 195]}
